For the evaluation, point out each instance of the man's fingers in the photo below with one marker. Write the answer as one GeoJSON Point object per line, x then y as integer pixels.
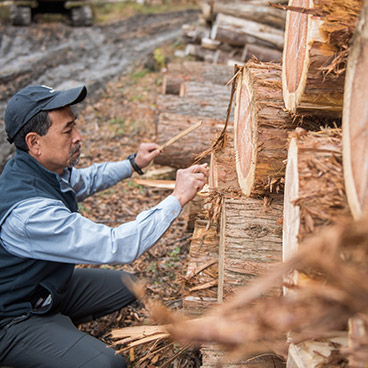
{"type": "Point", "coordinates": [149, 146]}
{"type": "Point", "coordinates": [199, 169]}
{"type": "Point", "coordinates": [152, 154]}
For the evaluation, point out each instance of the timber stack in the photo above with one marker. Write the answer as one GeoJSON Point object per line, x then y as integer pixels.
{"type": "Point", "coordinates": [191, 92]}
{"type": "Point", "coordinates": [289, 162]}
{"type": "Point", "coordinates": [231, 32]}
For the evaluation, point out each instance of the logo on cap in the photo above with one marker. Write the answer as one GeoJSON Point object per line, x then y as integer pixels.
{"type": "Point", "coordinates": [50, 88]}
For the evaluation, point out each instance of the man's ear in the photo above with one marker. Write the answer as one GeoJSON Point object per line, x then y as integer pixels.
{"type": "Point", "coordinates": [33, 143]}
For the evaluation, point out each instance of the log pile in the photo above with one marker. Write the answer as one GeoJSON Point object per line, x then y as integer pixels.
{"type": "Point", "coordinates": [319, 40]}
{"type": "Point", "coordinates": [279, 251]}
{"type": "Point", "coordinates": [236, 31]}
{"type": "Point", "coordinates": [192, 91]}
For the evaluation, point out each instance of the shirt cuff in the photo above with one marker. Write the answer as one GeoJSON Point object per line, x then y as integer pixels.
{"type": "Point", "coordinates": [172, 205]}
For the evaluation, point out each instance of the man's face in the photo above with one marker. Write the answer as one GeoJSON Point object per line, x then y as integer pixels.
{"type": "Point", "coordinates": [60, 147]}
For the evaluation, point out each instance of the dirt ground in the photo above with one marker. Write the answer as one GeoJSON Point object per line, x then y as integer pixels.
{"type": "Point", "coordinates": [118, 115]}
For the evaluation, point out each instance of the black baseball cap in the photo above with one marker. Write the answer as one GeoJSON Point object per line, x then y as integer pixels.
{"type": "Point", "coordinates": [29, 101]}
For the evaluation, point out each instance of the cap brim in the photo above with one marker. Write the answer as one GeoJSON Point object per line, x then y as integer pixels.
{"type": "Point", "coordinates": [66, 98]}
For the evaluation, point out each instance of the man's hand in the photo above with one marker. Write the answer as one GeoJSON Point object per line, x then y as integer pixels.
{"type": "Point", "coordinates": [146, 153]}
{"type": "Point", "coordinates": [189, 181]}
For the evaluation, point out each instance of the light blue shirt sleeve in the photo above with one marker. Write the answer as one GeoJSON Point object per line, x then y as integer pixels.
{"type": "Point", "coordinates": [45, 229]}
{"type": "Point", "coordinates": [87, 181]}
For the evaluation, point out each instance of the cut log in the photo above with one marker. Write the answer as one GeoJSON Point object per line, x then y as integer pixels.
{"type": "Point", "coordinates": [236, 31]}
{"type": "Point", "coordinates": [182, 153]}
{"type": "Point", "coordinates": [260, 129]}
{"type": "Point", "coordinates": [235, 252]}
{"type": "Point", "coordinates": [355, 120]}
{"type": "Point", "coordinates": [224, 56]}
{"type": "Point", "coordinates": [210, 44]}
{"type": "Point", "coordinates": [200, 108]}
{"type": "Point", "coordinates": [179, 136]}
{"type": "Point", "coordinates": [205, 90]}
{"type": "Point", "coordinates": [200, 280]}
{"type": "Point", "coordinates": [248, 247]}
{"type": "Point", "coordinates": [262, 53]}
{"type": "Point", "coordinates": [260, 13]}
{"type": "Point", "coordinates": [314, 188]}
{"type": "Point", "coordinates": [194, 71]}
{"type": "Point", "coordinates": [194, 33]}
{"type": "Point", "coordinates": [200, 53]}
{"type": "Point", "coordinates": [206, 9]}
{"type": "Point", "coordinates": [314, 57]}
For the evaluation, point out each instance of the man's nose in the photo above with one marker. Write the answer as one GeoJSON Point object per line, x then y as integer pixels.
{"type": "Point", "coordinates": [76, 136]}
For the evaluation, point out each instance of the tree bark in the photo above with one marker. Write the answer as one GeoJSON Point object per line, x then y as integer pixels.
{"type": "Point", "coordinates": [205, 91]}
{"type": "Point", "coordinates": [260, 129]}
{"type": "Point", "coordinates": [194, 71]}
{"type": "Point", "coordinates": [314, 56]}
{"type": "Point", "coordinates": [236, 31]}
{"type": "Point", "coordinates": [200, 108]}
{"type": "Point", "coordinates": [182, 153]}
{"type": "Point", "coordinates": [222, 173]}
{"type": "Point", "coordinates": [314, 188]}
{"type": "Point", "coordinates": [250, 246]}
{"type": "Point", "coordinates": [355, 120]}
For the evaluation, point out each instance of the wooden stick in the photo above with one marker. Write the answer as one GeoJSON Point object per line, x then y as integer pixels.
{"type": "Point", "coordinates": [159, 184]}
{"type": "Point", "coordinates": [180, 135]}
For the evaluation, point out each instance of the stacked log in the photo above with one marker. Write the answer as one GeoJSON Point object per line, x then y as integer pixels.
{"type": "Point", "coordinates": [275, 186]}
{"type": "Point", "coordinates": [260, 129]}
{"type": "Point", "coordinates": [314, 188]}
{"type": "Point", "coordinates": [247, 248]}
{"type": "Point", "coordinates": [198, 92]}
{"type": "Point", "coordinates": [318, 170]}
{"type": "Point", "coordinates": [177, 73]}
{"type": "Point", "coordinates": [182, 153]}
{"type": "Point", "coordinates": [235, 31]}
{"type": "Point", "coordinates": [317, 36]}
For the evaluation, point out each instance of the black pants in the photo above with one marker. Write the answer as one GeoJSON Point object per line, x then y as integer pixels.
{"type": "Point", "coordinates": [53, 340]}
